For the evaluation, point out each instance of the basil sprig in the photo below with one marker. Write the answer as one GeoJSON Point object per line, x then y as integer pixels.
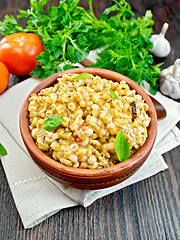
{"type": "Point", "coordinates": [113, 94]}
{"type": "Point", "coordinates": [122, 147]}
{"type": "Point", "coordinates": [83, 76]}
{"type": "Point", "coordinates": [52, 122]}
{"type": "Point", "coordinates": [3, 151]}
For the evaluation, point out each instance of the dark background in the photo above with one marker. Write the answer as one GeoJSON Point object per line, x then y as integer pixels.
{"type": "Point", "coordinates": [146, 210]}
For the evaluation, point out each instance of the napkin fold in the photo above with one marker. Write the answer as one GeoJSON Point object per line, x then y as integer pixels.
{"type": "Point", "coordinates": [49, 197]}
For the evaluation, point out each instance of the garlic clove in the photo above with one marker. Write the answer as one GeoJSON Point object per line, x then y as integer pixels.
{"type": "Point", "coordinates": [176, 70]}
{"type": "Point", "coordinates": [161, 46]}
{"type": "Point", "coordinates": [173, 70]}
{"type": "Point", "coordinates": [170, 80]}
{"type": "Point", "coordinates": [168, 85]}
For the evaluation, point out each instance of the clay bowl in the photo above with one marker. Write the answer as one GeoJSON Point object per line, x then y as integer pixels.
{"type": "Point", "coordinates": [88, 178]}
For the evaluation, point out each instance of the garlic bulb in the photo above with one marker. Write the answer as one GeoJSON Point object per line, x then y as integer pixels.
{"type": "Point", "coordinates": [170, 80]}
{"type": "Point", "coordinates": [161, 47]}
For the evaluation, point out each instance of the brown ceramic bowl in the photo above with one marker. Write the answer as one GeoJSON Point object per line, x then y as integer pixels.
{"type": "Point", "coordinates": [88, 178]}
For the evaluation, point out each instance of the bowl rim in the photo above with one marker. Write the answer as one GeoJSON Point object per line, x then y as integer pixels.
{"type": "Point", "coordinates": [59, 168]}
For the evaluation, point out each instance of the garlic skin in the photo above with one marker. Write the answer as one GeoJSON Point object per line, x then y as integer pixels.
{"type": "Point", "coordinates": [170, 80]}
{"type": "Point", "coordinates": [161, 46]}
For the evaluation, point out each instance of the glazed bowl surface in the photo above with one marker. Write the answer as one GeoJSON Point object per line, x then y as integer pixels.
{"type": "Point", "coordinates": [89, 178]}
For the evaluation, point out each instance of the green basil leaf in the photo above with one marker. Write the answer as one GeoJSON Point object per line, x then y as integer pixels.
{"type": "Point", "coordinates": [122, 147]}
{"type": "Point", "coordinates": [113, 94]}
{"type": "Point", "coordinates": [3, 151]}
{"type": "Point", "coordinates": [52, 122]}
{"type": "Point", "coordinates": [83, 76]}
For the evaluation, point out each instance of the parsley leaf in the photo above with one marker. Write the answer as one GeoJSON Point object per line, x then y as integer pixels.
{"type": "Point", "coordinates": [9, 26]}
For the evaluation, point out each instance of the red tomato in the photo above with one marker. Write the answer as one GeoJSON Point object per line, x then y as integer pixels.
{"type": "Point", "coordinates": [83, 127]}
{"type": "Point", "coordinates": [18, 52]}
{"type": "Point", "coordinates": [4, 77]}
{"type": "Point", "coordinates": [78, 139]}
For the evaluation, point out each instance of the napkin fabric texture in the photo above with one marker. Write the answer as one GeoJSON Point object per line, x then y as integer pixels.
{"type": "Point", "coordinates": [36, 196]}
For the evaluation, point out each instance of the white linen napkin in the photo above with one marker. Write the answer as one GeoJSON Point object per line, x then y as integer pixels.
{"type": "Point", "coordinates": [48, 197]}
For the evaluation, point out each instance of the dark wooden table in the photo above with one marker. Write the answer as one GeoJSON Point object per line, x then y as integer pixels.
{"type": "Point", "coordinates": [146, 210]}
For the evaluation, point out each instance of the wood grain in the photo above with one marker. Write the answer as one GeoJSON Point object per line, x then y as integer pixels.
{"type": "Point", "coordinates": [146, 210]}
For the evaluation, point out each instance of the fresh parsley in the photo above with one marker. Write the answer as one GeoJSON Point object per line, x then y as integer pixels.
{"type": "Point", "coordinates": [69, 33]}
{"type": "Point", "coordinates": [3, 151]}
{"type": "Point", "coordinates": [122, 147]}
{"type": "Point", "coordinates": [52, 122]}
